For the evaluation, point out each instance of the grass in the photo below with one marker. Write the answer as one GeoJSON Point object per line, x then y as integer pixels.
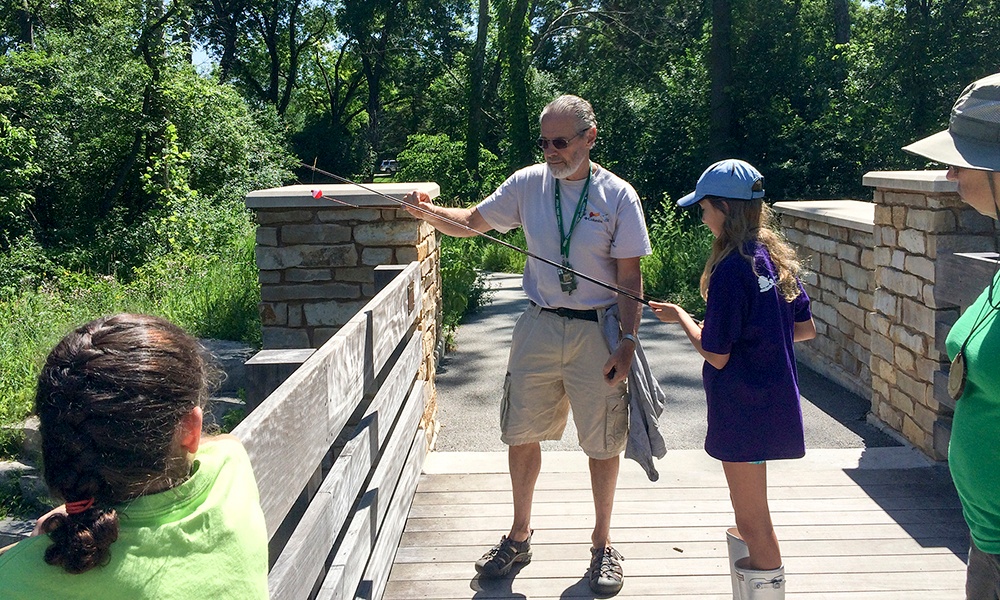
{"type": "Point", "coordinates": [214, 298]}
{"type": "Point", "coordinates": [13, 503]}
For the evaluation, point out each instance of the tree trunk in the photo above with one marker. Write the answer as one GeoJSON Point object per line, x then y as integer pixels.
{"type": "Point", "coordinates": [517, 75]}
{"type": "Point", "coordinates": [841, 22]}
{"type": "Point", "coordinates": [26, 23]}
{"type": "Point", "coordinates": [473, 137]}
{"type": "Point", "coordinates": [720, 67]}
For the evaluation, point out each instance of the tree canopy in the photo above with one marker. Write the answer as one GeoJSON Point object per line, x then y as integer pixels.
{"type": "Point", "coordinates": [108, 131]}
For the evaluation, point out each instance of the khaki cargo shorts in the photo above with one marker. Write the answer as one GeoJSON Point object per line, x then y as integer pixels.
{"type": "Point", "coordinates": [556, 363]}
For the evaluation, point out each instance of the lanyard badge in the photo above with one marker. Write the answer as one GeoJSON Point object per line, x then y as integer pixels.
{"type": "Point", "coordinates": [567, 278]}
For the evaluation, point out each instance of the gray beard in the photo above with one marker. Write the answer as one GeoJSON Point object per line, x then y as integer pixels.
{"type": "Point", "coordinates": [564, 171]}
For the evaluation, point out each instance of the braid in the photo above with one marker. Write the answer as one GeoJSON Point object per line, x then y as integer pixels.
{"type": "Point", "coordinates": [109, 400]}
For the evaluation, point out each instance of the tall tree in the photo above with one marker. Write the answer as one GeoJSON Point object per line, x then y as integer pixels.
{"type": "Point", "coordinates": [514, 36]}
{"type": "Point", "coordinates": [473, 137]}
{"type": "Point", "coordinates": [720, 68]}
{"type": "Point", "coordinates": [261, 43]}
{"type": "Point", "coordinates": [841, 21]}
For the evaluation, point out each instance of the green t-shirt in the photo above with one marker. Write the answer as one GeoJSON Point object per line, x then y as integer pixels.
{"type": "Point", "coordinates": [205, 538]}
{"type": "Point", "coordinates": [974, 451]}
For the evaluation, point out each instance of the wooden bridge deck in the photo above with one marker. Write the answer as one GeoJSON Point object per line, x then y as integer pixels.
{"type": "Point", "coordinates": [875, 524]}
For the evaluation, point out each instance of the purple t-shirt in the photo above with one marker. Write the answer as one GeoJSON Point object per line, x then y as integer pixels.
{"type": "Point", "coordinates": [753, 402]}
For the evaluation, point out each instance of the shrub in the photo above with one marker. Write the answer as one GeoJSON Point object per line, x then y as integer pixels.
{"type": "Point", "coordinates": [680, 247]}
{"type": "Point", "coordinates": [463, 283]}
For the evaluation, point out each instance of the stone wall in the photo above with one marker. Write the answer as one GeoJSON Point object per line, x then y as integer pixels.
{"type": "Point", "coordinates": [317, 257]}
{"type": "Point", "coordinates": [834, 240]}
{"type": "Point", "coordinates": [919, 221]}
{"type": "Point", "coordinates": [881, 316]}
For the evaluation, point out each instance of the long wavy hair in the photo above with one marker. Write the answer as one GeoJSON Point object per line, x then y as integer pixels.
{"type": "Point", "coordinates": [747, 221]}
{"type": "Point", "coordinates": [109, 400]}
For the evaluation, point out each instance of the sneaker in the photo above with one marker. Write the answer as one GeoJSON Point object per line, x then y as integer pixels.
{"type": "Point", "coordinates": [605, 574]}
{"type": "Point", "coordinates": [499, 560]}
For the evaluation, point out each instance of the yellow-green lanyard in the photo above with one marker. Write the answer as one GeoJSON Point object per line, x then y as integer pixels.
{"type": "Point", "coordinates": [581, 207]}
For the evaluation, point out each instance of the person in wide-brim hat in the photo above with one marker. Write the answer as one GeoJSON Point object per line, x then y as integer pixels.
{"type": "Point", "coordinates": [971, 149]}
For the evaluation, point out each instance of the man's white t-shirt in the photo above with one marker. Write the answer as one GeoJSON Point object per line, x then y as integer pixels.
{"type": "Point", "coordinates": [612, 227]}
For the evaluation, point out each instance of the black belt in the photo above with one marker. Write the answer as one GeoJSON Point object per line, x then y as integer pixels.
{"type": "Point", "coordinates": [572, 313]}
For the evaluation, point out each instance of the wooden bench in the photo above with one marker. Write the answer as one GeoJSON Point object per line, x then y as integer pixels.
{"type": "Point", "coordinates": [337, 449]}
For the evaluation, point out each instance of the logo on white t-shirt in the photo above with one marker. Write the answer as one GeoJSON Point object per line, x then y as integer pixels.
{"type": "Point", "coordinates": [596, 217]}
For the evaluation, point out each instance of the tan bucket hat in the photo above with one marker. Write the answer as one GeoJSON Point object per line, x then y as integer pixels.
{"type": "Point", "coordinates": [972, 139]}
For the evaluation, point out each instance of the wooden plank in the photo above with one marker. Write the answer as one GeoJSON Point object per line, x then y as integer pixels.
{"type": "Point", "coordinates": [697, 479]}
{"type": "Point", "coordinates": [356, 547]}
{"type": "Point", "coordinates": [348, 371]}
{"type": "Point", "coordinates": [268, 369]}
{"type": "Point", "coordinates": [676, 566]}
{"type": "Point", "coordinates": [578, 505]}
{"type": "Point", "coordinates": [936, 584]}
{"type": "Point", "coordinates": [681, 533]}
{"type": "Point", "coordinates": [584, 520]}
{"type": "Point", "coordinates": [961, 277]}
{"type": "Point", "coordinates": [283, 454]}
{"type": "Point", "coordinates": [393, 311]}
{"type": "Point", "coordinates": [845, 533]}
{"type": "Point", "coordinates": [376, 575]}
{"type": "Point", "coordinates": [303, 560]}
{"type": "Point", "coordinates": [893, 550]}
{"type": "Point", "coordinates": [322, 393]}
{"type": "Point", "coordinates": [878, 493]}
{"type": "Point", "coordinates": [395, 389]}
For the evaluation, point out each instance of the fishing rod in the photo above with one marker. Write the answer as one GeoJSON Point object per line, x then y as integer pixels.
{"type": "Point", "coordinates": [319, 194]}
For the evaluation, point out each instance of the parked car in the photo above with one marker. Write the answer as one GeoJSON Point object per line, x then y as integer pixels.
{"type": "Point", "coordinates": [389, 166]}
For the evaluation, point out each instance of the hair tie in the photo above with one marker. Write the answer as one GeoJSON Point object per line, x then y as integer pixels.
{"type": "Point", "coordinates": [75, 508]}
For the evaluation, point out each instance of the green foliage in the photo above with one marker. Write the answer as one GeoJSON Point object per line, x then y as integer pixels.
{"type": "Point", "coordinates": [463, 283]}
{"type": "Point", "coordinates": [231, 419]}
{"type": "Point", "coordinates": [13, 503]}
{"type": "Point", "coordinates": [119, 143]}
{"type": "Point", "coordinates": [437, 158]}
{"type": "Point", "coordinates": [213, 297]}
{"type": "Point", "coordinates": [501, 259]}
{"type": "Point", "coordinates": [680, 247]}
{"type": "Point", "coordinates": [17, 168]}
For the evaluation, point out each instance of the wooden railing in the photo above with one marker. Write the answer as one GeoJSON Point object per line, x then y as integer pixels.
{"type": "Point", "coordinates": [337, 450]}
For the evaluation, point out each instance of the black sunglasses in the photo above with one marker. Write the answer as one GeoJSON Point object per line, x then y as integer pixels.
{"type": "Point", "coordinates": [559, 143]}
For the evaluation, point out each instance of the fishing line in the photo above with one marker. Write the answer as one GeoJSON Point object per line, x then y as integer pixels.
{"type": "Point", "coordinates": [319, 194]}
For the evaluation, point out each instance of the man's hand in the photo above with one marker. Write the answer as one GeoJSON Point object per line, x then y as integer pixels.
{"type": "Point", "coordinates": [619, 363]}
{"type": "Point", "coordinates": [417, 204]}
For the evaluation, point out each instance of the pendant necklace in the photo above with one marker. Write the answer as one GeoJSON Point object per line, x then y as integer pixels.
{"type": "Point", "coordinates": [567, 281]}
{"type": "Point", "coordinates": [956, 373]}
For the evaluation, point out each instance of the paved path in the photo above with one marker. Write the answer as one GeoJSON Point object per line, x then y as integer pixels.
{"type": "Point", "coordinates": [470, 380]}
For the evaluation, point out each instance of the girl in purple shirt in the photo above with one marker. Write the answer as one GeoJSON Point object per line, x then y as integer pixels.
{"type": "Point", "coordinates": [756, 309]}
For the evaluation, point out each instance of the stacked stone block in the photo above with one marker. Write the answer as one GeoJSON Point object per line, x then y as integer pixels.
{"type": "Point", "coordinates": [881, 318]}
{"type": "Point", "coordinates": [317, 257]}
{"type": "Point", "coordinates": [919, 219]}
{"type": "Point", "coordinates": [833, 238]}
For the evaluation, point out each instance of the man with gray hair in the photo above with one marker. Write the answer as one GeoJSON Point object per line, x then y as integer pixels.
{"type": "Point", "coordinates": [583, 217]}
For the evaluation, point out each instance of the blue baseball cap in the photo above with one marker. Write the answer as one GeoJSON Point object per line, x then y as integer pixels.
{"type": "Point", "coordinates": [731, 178]}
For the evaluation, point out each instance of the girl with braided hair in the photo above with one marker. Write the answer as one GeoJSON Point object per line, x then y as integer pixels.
{"type": "Point", "coordinates": [152, 510]}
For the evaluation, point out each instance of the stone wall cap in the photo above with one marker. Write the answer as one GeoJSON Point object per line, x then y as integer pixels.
{"type": "Point", "coordinates": [910, 181]}
{"type": "Point", "coordinates": [301, 195]}
{"type": "Point", "coordinates": [852, 214]}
